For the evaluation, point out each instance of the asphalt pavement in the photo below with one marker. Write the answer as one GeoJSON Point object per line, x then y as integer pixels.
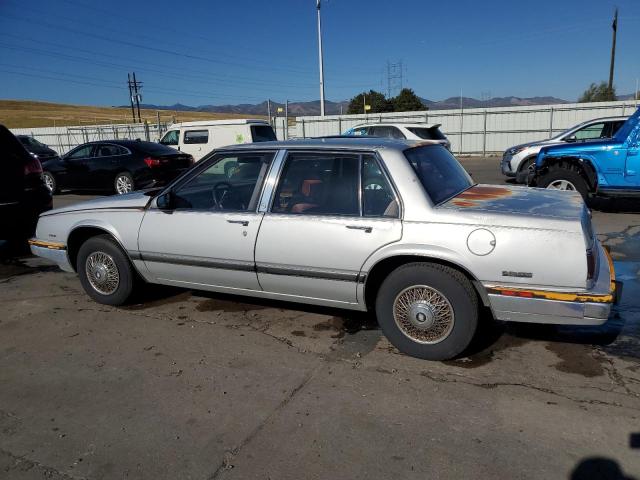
{"type": "Point", "coordinates": [192, 385]}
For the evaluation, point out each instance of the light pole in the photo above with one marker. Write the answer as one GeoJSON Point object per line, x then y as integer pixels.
{"type": "Point", "coordinates": [320, 61]}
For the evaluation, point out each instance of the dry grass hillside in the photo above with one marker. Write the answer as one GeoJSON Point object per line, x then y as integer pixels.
{"type": "Point", "coordinates": [25, 114]}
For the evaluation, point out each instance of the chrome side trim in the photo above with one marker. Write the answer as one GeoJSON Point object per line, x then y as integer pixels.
{"type": "Point", "coordinates": [244, 266]}
{"type": "Point", "coordinates": [309, 272]}
{"type": "Point", "coordinates": [270, 181]}
{"type": "Point", "coordinates": [197, 261]}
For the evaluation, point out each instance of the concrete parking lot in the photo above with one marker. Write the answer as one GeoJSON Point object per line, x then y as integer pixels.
{"type": "Point", "coordinates": [191, 385]}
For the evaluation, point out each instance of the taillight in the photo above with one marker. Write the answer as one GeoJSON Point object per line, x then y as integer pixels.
{"type": "Point", "coordinates": [152, 162]}
{"type": "Point", "coordinates": [591, 264]}
{"type": "Point", "coordinates": [33, 166]}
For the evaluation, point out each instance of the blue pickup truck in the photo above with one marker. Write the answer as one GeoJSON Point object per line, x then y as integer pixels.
{"type": "Point", "coordinates": [608, 168]}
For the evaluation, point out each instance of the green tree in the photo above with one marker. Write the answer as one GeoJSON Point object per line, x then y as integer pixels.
{"type": "Point", "coordinates": [598, 93]}
{"type": "Point", "coordinates": [377, 100]}
{"type": "Point", "coordinates": [407, 101]}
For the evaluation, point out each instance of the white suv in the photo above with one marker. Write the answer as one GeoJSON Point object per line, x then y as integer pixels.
{"type": "Point", "coordinates": [517, 160]}
{"type": "Point", "coordinates": [410, 131]}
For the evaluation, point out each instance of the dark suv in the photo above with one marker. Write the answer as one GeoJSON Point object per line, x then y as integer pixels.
{"type": "Point", "coordinates": [39, 149]}
{"type": "Point", "coordinates": [23, 193]}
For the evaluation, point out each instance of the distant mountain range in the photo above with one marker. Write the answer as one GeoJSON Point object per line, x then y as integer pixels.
{"type": "Point", "coordinates": [297, 109]}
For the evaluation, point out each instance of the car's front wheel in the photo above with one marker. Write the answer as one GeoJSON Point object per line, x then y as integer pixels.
{"type": "Point", "coordinates": [428, 310]}
{"type": "Point", "coordinates": [564, 178]}
{"type": "Point", "coordinates": [105, 272]}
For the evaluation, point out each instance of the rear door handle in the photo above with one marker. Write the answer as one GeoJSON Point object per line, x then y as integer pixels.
{"type": "Point", "coordinates": [244, 223]}
{"type": "Point", "coordinates": [360, 227]}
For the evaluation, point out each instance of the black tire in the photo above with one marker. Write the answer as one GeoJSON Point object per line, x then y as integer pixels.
{"type": "Point", "coordinates": [569, 174]}
{"type": "Point", "coordinates": [49, 177]}
{"type": "Point", "coordinates": [523, 170]}
{"type": "Point", "coordinates": [126, 277]}
{"type": "Point", "coordinates": [127, 177]}
{"type": "Point", "coordinates": [450, 284]}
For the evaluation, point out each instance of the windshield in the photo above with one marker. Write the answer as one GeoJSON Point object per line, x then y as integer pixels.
{"type": "Point", "coordinates": [432, 133]}
{"type": "Point", "coordinates": [440, 173]}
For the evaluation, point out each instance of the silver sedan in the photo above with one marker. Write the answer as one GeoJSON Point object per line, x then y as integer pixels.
{"type": "Point", "coordinates": [394, 227]}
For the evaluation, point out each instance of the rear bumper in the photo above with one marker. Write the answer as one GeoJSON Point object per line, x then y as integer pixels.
{"type": "Point", "coordinates": [56, 252]}
{"type": "Point", "coordinates": [589, 307]}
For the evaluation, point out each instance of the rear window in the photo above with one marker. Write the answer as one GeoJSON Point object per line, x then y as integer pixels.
{"type": "Point", "coordinates": [262, 133]}
{"type": "Point", "coordinates": [440, 173]}
{"type": "Point", "coordinates": [196, 136]}
{"type": "Point", "coordinates": [433, 133]}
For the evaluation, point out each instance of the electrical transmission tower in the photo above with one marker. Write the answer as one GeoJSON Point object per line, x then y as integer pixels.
{"type": "Point", "coordinates": [394, 78]}
{"type": "Point", "coordinates": [134, 95]}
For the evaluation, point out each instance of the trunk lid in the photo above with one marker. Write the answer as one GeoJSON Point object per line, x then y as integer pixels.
{"type": "Point", "coordinates": [514, 200]}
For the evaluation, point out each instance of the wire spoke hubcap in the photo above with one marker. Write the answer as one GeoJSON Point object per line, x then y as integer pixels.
{"type": "Point", "coordinates": [562, 185]}
{"type": "Point", "coordinates": [423, 314]}
{"type": "Point", "coordinates": [123, 184]}
{"type": "Point", "coordinates": [102, 273]}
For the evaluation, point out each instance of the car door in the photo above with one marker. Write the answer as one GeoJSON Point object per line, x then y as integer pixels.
{"type": "Point", "coordinates": [321, 226]}
{"type": "Point", "coordinates": [194, 142]}
{"type": "Point", "coordinates": [76, 174]}
{"type": "Point", "coordinates": [632, 161]}
{"type": "Point", "coordinates": [202, 232]}
{"type": "Point", "coordinates": [107, 162]}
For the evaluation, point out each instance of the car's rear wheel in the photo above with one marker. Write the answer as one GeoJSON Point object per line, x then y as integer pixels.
{"type": "Point", "coordinates": [50, 181]}
{"type": "Point", "coordinates": [564, 178]}
{"type": "Point", "coordinates": [105, 271]}
{"type": "Point", "coordinates": [428, 310]}
{"type": "Point", "coordinates": [124, 183]}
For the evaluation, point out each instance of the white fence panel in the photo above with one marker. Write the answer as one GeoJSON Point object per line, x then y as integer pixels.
{"type": "Point", "coordinates": [477, 131]}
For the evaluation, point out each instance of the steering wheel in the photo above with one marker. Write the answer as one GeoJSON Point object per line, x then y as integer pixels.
{"type": "Point", "coordinates": [220, 192]}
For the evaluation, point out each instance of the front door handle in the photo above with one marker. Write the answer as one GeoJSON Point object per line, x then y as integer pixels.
{"type": "Point", "coordinates": [244, 223]}
{"type": "Point", "coordinates": [360, 227]}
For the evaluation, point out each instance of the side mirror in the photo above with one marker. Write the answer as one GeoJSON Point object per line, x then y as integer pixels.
{"type": "Point", "coordinates": [571, 139]}
{"type": "Point", "coordinates": [165, 201]}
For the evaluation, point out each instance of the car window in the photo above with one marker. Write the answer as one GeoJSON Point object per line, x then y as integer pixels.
{"type": "Point", "coordinates": [359, 131]}
{"type": "Point", "coordinates": [81, 152]}
{"type": "Point", "coordinates": [591, 132]}
{"type": "Point", "coordinates": [613, 127]}
{"type": "Point", "coordinates": [196, 136]}
{"type": "Point", "coordinates": [109, 150]}
{"type": "Point", "coordinates": [262, 133]}
{"type": "Point", "coordinates": [171, 138]}
{"type": "Point", "coordinates": [378, 199]}
{"type": "Point", "coordinates": [440, 173]}
{"type": "Point", "coordinates": [319, 184]}
{"type": "Point", "coordinates": [432, 133]}
{"type": "Point", "coordinates": [230, 183]}
{"type": "Point", "coordinates": [386, 131]}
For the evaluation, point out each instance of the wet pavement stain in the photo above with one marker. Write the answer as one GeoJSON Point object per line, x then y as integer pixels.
{"type": "Point", "coordinates": [181, 297]}
{"type": "Point", "coordinates": [298, 333]}
{"type": "Point", "coordinates": [227, 306]}
{"type": "Point", "coordinates": [488, 353]}
{"type": "Point", "coordinates": [577, 359]}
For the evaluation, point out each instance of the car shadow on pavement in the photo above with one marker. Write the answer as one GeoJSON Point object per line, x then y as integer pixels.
{"type": "Point", "coordinates": [599, 468]}
{"type": "Point", "coordinates": [615, 205]}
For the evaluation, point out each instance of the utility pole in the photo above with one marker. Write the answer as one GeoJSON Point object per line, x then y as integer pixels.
{"type": "Point", "coordinates": [286, 120]}
{"type": "Point", "coordinates": [364, 103]}
{"type": "Point", "coordinates": [320, 60]}
{"type": "Point", "coordinates": [614, 26]}
{"type": "Point", "coordinates": [133, 112]}
{"type": "Point", "coordinates": [269, 111]}
{"type": "Point", "coordinates": [137, 84]}
{"type": "Point", "coordinates": [394, 78]}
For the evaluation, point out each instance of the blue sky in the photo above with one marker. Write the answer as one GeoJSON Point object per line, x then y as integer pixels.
{"type": "Point", "coordinates": [199, 52]}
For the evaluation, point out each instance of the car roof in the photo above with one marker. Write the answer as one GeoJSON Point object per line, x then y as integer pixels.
{"type": "Point", "coordinates": [213, 123]}
{"type": "Point", "coordinates": [399, 124]}
{"type": "Point", "coordinates": [342, 143]}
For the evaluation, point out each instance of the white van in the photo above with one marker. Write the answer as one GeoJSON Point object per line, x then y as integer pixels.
{"type": "Point", "coordinates": [199, 138]}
